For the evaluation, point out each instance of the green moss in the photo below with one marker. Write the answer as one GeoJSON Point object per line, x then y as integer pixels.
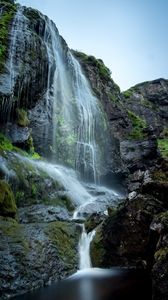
{"type": "Point", "coordinates": [35, 155]}
{"type": "Point", "coordinates": [163, 146]}
{"type": "Point", "coordinates": [6, 145]}
{"type": "Point", "coordinates": [5, 22]}
{"type": "Point", "coordinates": [113, 97]}
{"type": "Point", "coordinates": [34, 190]}
{"type": "Point", "coordinates": [22, 118]}
{"type": "Point", "coordinates": [14, 232]}
{"type": "Point", "coordinates": [62, 200]}
{"type": "Point", "coordinates": [138, 126]}
{"type": "Point", "coordinates": [7, 200]}
{"type": "Point", "coordinates": [65, 238]}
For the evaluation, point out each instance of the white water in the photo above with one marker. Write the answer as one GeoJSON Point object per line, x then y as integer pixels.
{"type": "Point", "coordinates": [66, 177]}
{"type": "Point", "coordinates": [13, 63]}
{"type": "Point", "coordinates": [84, 248]}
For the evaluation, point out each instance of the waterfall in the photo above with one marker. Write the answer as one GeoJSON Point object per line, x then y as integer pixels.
{"type": "Point", "coordinates": [71, 124]}
{"type": "Point", "coordinates": [84, 248]}
{"type": "Point", "coordinates": [71, 121]}
{"type": "Point", "coordinates": [78, 124]}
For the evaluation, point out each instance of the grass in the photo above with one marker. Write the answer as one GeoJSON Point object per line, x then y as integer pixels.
{"type": "Point", "coordinates": [138, 126]}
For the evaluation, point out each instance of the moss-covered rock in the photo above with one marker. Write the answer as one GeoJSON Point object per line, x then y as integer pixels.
{"type": "Point", "coordinates": [93, 221]}
{"type": "Point", "coordinates": [65, 237]}
{"type": "Point", "coordinates": [7, 200]}
{"type": "Point", "coordinates": [103, 71]}
{"type": "Point", "coordinates": [97, 250]}
{"type": "Point", "coordinates": [31, 255]}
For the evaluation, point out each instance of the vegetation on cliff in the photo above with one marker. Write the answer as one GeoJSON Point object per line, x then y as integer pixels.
{"type": "Point", "coordinates": [8, 11]}
{"type": "Point", "coordinates": [138, 126]}
{"type": "Point", "coordinates": [103, 71]}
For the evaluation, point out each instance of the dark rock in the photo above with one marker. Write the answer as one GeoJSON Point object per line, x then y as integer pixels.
{"type": "Point", "coordinates": [34, 255]}
{"type": "Point", "coordinates": [138, 154]}
{"type": "Point", "coordinates": [160, 267]}
{"type": "Point", "coordinates": [42, 213]}
{"type": "Point", "coordinates": [149, 100]}
{"type": "Point", "coordinates": [93, 221]}
{"type": "Point", "coordinates": [17, 134]}
{"type": "Point", "coordinates": [122, 239]}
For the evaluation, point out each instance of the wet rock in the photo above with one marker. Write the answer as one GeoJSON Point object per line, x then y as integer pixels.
{"type": "Point", "coordinates": [93, 221]}
{"type": "Point", "coordinates": [33, 255]}
{"type": "Point", "coordinates": [42, 213]}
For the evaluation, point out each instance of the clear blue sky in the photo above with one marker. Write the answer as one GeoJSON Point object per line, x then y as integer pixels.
{"type": "Point", "coordinates": [131, 36]}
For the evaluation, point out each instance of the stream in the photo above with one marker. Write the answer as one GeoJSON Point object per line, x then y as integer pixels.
{"type": "Point", "coordinates": [97, 284]}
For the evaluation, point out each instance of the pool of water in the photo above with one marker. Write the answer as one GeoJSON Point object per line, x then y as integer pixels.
{"type": "Point", "coordinates": [97, 284]}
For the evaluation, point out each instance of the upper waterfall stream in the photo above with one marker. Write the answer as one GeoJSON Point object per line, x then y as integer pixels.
{"type": "Point", "coordinates": [79, 129]}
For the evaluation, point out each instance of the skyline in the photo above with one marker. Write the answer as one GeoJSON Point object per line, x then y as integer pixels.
{"type": "Point", "coordinates": [128, 35]}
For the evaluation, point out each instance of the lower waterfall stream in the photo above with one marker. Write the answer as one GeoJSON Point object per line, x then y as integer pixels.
{"type": "Point", "coordinates": [84, 248]}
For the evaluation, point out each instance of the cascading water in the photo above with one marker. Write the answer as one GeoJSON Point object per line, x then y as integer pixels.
{"type": "Point", "coordinates": [79, 127]}
{"type": "Point", "coordinates": [84, 248]}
